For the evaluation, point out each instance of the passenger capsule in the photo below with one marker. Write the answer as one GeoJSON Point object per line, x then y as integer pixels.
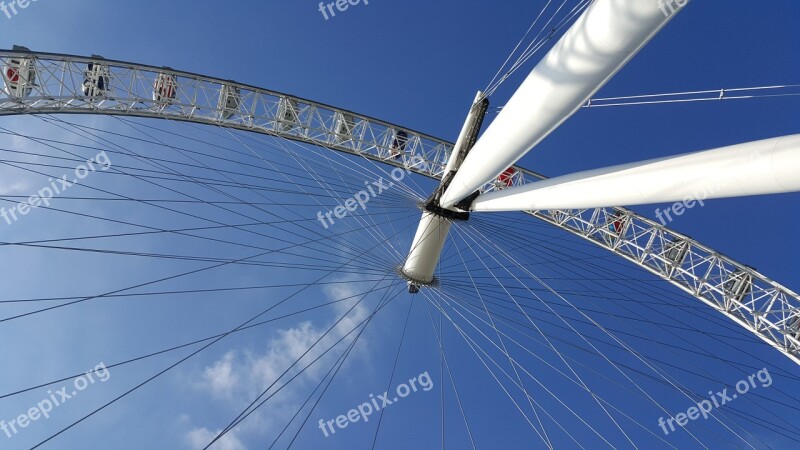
{"type": "Point", "coordinates": [165, 88]}
{"type": "Point", "coordinates": [399, 144]}
{"type": "Point", "coordinates": [96, 80]}
{"type": "Point", "coordinates": [19, 77]}
{"type": "Point", "coordinates": [506, 179]}
{"type": "Point", "coordinates": [230, 98]}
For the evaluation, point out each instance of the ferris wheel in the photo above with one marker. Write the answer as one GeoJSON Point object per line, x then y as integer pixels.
{"type": "Point", "coordinates": [221, 183]}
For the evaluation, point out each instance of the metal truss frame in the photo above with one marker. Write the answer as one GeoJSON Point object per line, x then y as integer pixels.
{"type": "Point", "coordinates": [750, 299]}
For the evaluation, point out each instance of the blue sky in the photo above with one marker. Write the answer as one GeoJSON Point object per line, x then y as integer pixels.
{"type": "Point", "coordinates": [418, 64]}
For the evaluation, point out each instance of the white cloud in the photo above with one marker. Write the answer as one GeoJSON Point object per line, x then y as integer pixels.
{"type": "Point", "coordinates": [198, 438]}
{"type": "Point", "coordinates": [239, 376]}
{"type": "Point", "coordinates": [220, 377]}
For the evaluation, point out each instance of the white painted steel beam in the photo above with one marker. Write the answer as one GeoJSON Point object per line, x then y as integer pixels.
{"type": "Point", "coordinates": [606, 36]}
{"type": "Point", "coordinates": [770, 166]}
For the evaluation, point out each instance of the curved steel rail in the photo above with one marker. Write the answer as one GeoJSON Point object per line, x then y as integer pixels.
{"type": "Point", "coordinates": [762, 306]}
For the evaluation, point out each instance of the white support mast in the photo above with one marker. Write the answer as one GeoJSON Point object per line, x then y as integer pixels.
{"type": "Point", "coordinates": [606, 36]}
{"type": "Point", "coordinates": [434, 226]}
{"type": "Point", "coordinates": [769, 166]}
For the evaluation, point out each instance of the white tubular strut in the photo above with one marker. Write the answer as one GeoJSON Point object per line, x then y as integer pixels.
{"type": "Point", "coordinates": [606, 36]}
{"type": "Point", "coordinates": [770, 166]}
